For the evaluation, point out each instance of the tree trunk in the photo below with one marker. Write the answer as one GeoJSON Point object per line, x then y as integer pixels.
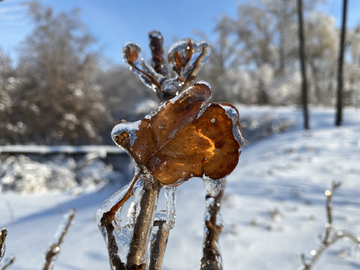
{"type": "Point", "coordinates": [304, 96]}
{"type": "Point", "coordinates": [339, 103]}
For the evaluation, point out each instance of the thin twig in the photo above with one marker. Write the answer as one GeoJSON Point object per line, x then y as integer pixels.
{"type": "Point", "coordinates": [115, 261]}
{"type": "Point", "coordinates": [11, 260]}
{"type": "Point", "coordinates": [54, 249]}
{"type": "Point", "coordinates": [330, 237]}
{"type": "Point", "coordinates": [211, 259]}
{"type": "Point", "coordinates": [3, 235]}
{"type": "Point", "coordinates": [158, 246]}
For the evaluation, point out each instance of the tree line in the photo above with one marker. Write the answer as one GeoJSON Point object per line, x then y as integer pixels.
{"type": "Point", "coordinates": [60, 92]}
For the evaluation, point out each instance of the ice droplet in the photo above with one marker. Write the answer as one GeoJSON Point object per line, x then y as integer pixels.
{"type": "Point", "coordinates": [132, 56]}
{"type": "Point", "coordinates": [212, 186]}
{"type": "Point", "coordinates": [170, 201]}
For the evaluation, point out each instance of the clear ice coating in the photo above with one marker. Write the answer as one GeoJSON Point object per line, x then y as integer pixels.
{"type": "Point", "coordinates": [170, 201]}
{"type": "Point", "coordinates": [234, 116]}
{"type": "Point", "coordinates": [122, 234]}
{"type": "Point", "coordinates": [7, 261]}
{"type": "Point", "coordinates": [132, 56]}
{"type": "Point", "coordinates": [135, 207]}
{"type": "Point", "coordinates": [129, 127]}
{"type": "Point", "coordinates": [108, 204]}
{"type": "Point", "coordinates": [156, 41]}
{"type": "Point", "coordinates": [210, 204]}
{"type": "Point", "coordinates": [67, 217]}
{"type": "Point", "coordinates": [183, 54]}
{"type": "Point", "coordinates": [212, 186]}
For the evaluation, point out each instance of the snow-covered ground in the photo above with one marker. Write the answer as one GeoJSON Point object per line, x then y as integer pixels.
{"type": "Point", "coordinates": [273, 209]}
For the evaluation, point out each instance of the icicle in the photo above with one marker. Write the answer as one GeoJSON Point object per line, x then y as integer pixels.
{"type": "Point", "coordinates": [212, 186]}
{"type": "Point", "coordinates": [134, 208]}
{"type": "Point", "coordinates": [132, 56]}
{"type": "Point", "coordinates": [3, 235]}
{"type": "Point", "coordinates": [170, 201]}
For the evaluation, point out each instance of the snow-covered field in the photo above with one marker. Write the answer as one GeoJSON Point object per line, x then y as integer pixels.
{"type": "Point", "coordinates": [273, 209]}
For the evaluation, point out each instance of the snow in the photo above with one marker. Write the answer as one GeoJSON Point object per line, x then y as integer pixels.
{"type": "Point", "coordinates": [273, 208]}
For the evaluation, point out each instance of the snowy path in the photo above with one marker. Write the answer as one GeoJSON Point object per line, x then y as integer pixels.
{"type": "Point", "coordinates": [273, 209]}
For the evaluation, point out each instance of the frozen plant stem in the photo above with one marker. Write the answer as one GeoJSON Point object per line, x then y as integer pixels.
{"type": "Point", "coordinates": [330, 237]}
{"type": "Point", "coordinates": [138, 248]}
{"type": "Point", "coordinates": [8, 262]}
{"type": "Point", "coordinates": [3, 235]}
{"type": "Point", "coordinates": [144, 222]}
{"type": "Point", "coordinates": [211, 259]}
{"type": "Point", "coordinates": [54, 248]}
{"type": "Point", "coordinates": [159, 245]}
{"type": "Point", "coordinates": [191, 76]}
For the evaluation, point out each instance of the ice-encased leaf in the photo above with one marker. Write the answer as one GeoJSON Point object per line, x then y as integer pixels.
{"type": "Point", "coordinates": [183, 54]}
{"type": "Point", "coordinates": [233, 113]}
{"type": "Point", "coordinates": [186, 137]}
{"type": "Point", "coordinates": [132, 56]}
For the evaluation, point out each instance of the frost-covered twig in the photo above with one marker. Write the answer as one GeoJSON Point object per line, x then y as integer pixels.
{"type": "Point", "coordinates": [157, 51]}
{"type": "Point", "coordinates": [193, 72]}
{"type": "Point", "coordinates": [213, 226]}
{"type": "Point", "coordinates": [159, 245]}
{"type": "Point", "coordinates": [8, 261]}
{"type": "Point", "coordinates": [54, 249]}
{"type": "Point", "coordinates": [142, 229]}
{"type": "Point", "coordinates": [145, 198]}
{"type": "Point", "coordinates": [330, 237]}
{"type": "Point", "coordinates": [3, 235]}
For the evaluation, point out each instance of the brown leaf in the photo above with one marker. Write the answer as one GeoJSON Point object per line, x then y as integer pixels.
{"type": "Point", "coordinates": [186, 137]}
{"type": "Point", "coordinates": [178, 61]}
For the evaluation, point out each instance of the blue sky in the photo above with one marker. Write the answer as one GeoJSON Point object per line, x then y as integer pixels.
{"type": "Point", "coordinates": [114, 22]}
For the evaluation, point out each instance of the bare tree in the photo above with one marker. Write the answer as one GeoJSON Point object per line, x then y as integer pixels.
{"type": "Point", "coordinates": [339, 103]}
{"type": "Point", "coordinates": [303, 69]}
{"type": "Point", "coordinates": [59, 100]}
